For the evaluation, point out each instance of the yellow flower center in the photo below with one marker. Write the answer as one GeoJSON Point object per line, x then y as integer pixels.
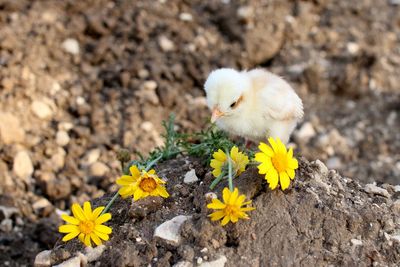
{"type": "Point", "coordinates": [148, 184]}
{"type": "Point", "coordinates": [279, 161]}
{"type": "Point", "coordinates": [231, 209]}
{"type": "Point", "coordinates": [86, 227]}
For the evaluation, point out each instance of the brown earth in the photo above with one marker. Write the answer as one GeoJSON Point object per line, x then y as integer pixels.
{"type": "Point", "coordinates": [81, 79]}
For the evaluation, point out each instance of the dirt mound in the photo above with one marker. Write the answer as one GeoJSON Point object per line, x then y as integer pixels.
{"type": "Point", "coordinates": [323, 219]}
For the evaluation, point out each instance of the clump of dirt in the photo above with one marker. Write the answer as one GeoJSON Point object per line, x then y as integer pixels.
{"type": "Point", "coordinates": [322, 219]}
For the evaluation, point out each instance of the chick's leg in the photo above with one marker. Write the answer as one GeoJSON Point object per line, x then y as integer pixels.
{"type": "Point", "coordinates": [282, 129]}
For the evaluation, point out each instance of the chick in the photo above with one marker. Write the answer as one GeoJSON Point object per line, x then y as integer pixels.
{"type": "Point", "coordinates": [253, 104]}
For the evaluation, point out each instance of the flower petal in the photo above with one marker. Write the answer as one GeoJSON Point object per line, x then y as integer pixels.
{"type": "Point", "coordinates": [216, 163]}
{"type": "Point", "coordinates": [95, 239]}
{"type": "Point", "coordinates": [87, 210]}
{"type": "Point", "coordinates": [70, 236]}
{"type": "Point", "coordinates": [86, 241]}
{"type": "Point", "coordinates": [70, 219]}
{"type": "Point", "coordinates": [284, 179]}
{"type": "Point", "coordinates": [216, 172]}
{"type": "Point", "coordinates": [266, 149]}
{"type": "Point", "coordinates": [97, 211]}
{"type": "Point", "coordinates": [272, 178]}
{"type": "Point", "coordinates": [81, 237]}
{"type": "Point", "coordinates": [293, 164]}
{"type": "Point", "coordinates": [215, 216]}
{"type": "Point", "coordinates": [216, 204]}
{"type": "Point", "coordinates": [103, 229]}
{"type": "Point", "coordinates": [78, 212]}
{"type": "Point", "coordinates": [234, 196]}
{"type": "Point", "coordinates": [290, 173]}
{"type": "Point", "coordinates": [103, 218]}
{"type": "Point", "coordinates": [225, 220]}
{"type": "Point", "coordinates": [219, 155]}
{"type": "Point", "coordinates": [226, 194]}
{"type": "Point", "coordinates": [273, 144]}
{"type": "Point", "coordinates": [125, 180]}
{"type": "Point", "coordinates": [103, 236]}
{"type": "Point", "coordinates": [162, 191]}
{"type": "Point", "coordinates": [68, 228]}
{"type": "Point", "coordinates": [134, 171]}
{"type": "Point", "coordinates": [138, 194]}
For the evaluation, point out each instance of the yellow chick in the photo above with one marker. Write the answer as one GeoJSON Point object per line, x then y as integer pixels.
{"type": "Point", "coordinates": [253, 104]}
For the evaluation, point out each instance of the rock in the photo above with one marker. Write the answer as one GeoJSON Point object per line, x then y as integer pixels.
{"type": "Point", "coordinates": [23, 166]}
{"type": "Point", "coordinates": [352, 48]}
{"type": "Point", "coordinates": [334, 163]}
{"type": "Point", "coordinates": [92, 156]}
{"type": "Point", "coordinates": [57, 188]}
{"type": "Point", "coordinates": [93, 254]}
{"type": "Point", "coordinates": [190, 177]}
{"type": "Point", "coordinates": [322, 168]}
{"type": "Point", "coordinates": [373, 189]}
{"type": "Point", "coordinates": [58, 159]}
{"type": "Point", "coordinates": [147, 92]}
{"type": "Point", "coordinates": [43, 259]}
{"type": "Point", "coordinates": [98, 169]}
{"type": "Point", "coordinates": [65, 126]}
{"type": "Point", "coordinates": [356, 242]}
{"type": "Point", "coordinates": [183, 264]}
{"type": "Point", "coordinates": [41, 109]}
{"type": "Point", "coordinates": [220, 262]}
{"type": "Point", "coordinates": [6, 225]}
{"type": "Point", "coordinates": [165, 44]}
{"type": "Point", "coordinates": [305, 133]}
{"type": "Point", "coordinates": [185, 16]}
{"type": "Point", "coordinates": [73, 262]}
{"type": "Point", "coordinates": [43, 207]}
{"type": "Point", "coordinates": [396, 207]}
{"type": "Point", "coordinates": [71, 46]}
{"type": "Point", "coordinates": [7, 212]}
{"type": "Point", "coordinates": [147, 126]}
{"type": "Point", "coordinates": [149, 85]}
{"type": "Point", "coordinates": [10, 129]}
{"type": "Point", "coordinates": [62, 138]}
{"type": "Point", "coordinates": [170, 230]}
{"type": "Point", "coordinates": [245, 13]}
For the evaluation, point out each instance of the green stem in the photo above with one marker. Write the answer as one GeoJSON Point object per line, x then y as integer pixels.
{"type": "Point", "coordinates": [230, 178]}
{"type": "Point", "coordinates": [217, 180]}
{"type": "Point", "coordinates": [152, 163]}
{"type": "Point", "coordinates": [110, 203]}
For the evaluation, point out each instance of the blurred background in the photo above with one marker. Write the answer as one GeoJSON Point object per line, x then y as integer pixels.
{"type": "Point", "coordinates": [80, 80]}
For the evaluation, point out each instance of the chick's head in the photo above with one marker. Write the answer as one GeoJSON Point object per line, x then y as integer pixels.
{"type": "Point", "coordinates": [225, 89]}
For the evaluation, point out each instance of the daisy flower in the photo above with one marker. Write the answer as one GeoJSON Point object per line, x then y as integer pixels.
{"type": "Point", "coordinates": [277, 163]}
{"type": "Point", "coordinates": [86, 224]}
{"type": "Point", "coordinates": [220, 160]}
{"type": "Point", "coordinates": [231, 210]}
{"type": "Point", "coordinates": [141, 184]}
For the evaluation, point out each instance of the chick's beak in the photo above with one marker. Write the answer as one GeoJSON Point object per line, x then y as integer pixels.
{"type": "Point", "coordinates": [216, 113]}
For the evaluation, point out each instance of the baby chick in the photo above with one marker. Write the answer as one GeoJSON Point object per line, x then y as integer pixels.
{"type": "Point", "coordinates": [253, 104]}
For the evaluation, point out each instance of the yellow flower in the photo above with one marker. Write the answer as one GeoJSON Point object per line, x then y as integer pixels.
{"type": "Point", "coordinates": [239, 161]}
{"type": "Point", "coordinates": [86, 224]}
{"type": "Point", "coordinates": [277, 163]}
{"type": "Point", "coordinates": [141, 184]}
{"type": "Point", "coordinates": [231, 210]}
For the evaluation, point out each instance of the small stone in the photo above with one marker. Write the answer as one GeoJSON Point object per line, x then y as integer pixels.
{"type": "Point", "coordinates": [373, 189]}
{"type": "Point", "coordinates": [220, 262]}
{"type": "Point", "coordinates": [72, 262]}
{"type": "Point", "coordinates": [58, 159]}
{"type": "Point", "coordinates": [394, 2]}
{"type": "Point", "coordinates": [143, 74]}
{"type": "Point", "coordinates": [65, 126]}
{"type": "Point", "coordinates": [183, 264]}
{"type": "Point", "coordinates": [23, 166]}
{"type": "Point", "coordinates": [334, 163]}
{"type": "Point", "coordinates": [71, 46]}
{"type": "Point", "coordinates": [170, 230]}
{"type": "Point", "coordinates": [42, 207]}
{"type": "Point", "coordinates": [245, 12]}
{"type": "Point", "coordinates": [98, 169]}
{"type": "Point", "coordinates": [395, 237]}
{"type": "Point", "coordinates": [149, 85]}
{"type": "Point", "coordinates": [92, 156]}
{"type": "Point", "coordinates": [41, 110]}
{"type": "Point", "coordinates": [185, 16]}
{"type": "Point", "coordinates": [322, 168]}
{"type": "Point", "coordinates": [396, 207]}
{"type": "Point", "coordinates": [356, 242]}
{"type": "Point", "coordinates": [147, 126]}
{"type": "Point", "coordinates": [7, 212]}
{"type": "Point", "coordinates": [352, 48]}
{"type": "Point", "coordinates": [6, 225]}
{"type": "Point", "coordinates": [43, 259]}
{"type": "Point", "coordinates": [305, 133]}
{"type": "Point", "coordinates": [397, 188]}
{"type": "Point", "coordinates": [62, 138]}
{"type": "Point", "coordinates": [190, 177]}
{"type": "Point", "coordinates": [166, 44]}
{"type": "Point", "coordinates": [10, 129]}
{"type": "Point", "coordinates": [210, 196]}
{"type": "Point", "coordinates": [93, 254]}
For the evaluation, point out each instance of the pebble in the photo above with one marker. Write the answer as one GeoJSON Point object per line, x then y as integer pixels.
{"type": "Point", "coordinates": [245, 12]}
{"type": "Point", "coordinates": [210, 196]}
{"type": "Point", "coordinates": [373, 189]}
{"type": "Point", "coordinates": [73, 262]}
{"type": "Point", "coordinates": [6, 225]}
{"type": "Point", "coordinates": [147, 126]}
{"type": "Point", "coordinates": [149, 85]}
{"type": "Point", "coordinates": [305, 133]}
{"type": "Point", "coordinates": [23, 166]}
{"type": "Point", "coordinates": [92, 156]}
{"type": "Point", "coordinates": [170, 230]}
{"type": "Point", "coordinates": [42, 207]}
{"type": "Point", "coordinates": [43, 259]}
{"type": "Point", "coordinates": [62, 138]}
{"type": "Point", "coordinates": [58, 159]}
{"type": "Point", "coordinates": [220, 262]}
{"type": "Point", "coordinates": [10, 129]}
{"type": "Point", "coordinates": [93, 254]}
{"type": "Point", "coordinates": [183, 264]}
{"type": "Point", "coordinates": [396, 207]}
{"type": "Point", "coordinates": [334, 163]}
{"type": "Point", "coordinates": [356, 242]}
{"type": "Point", "coordinates": [166, 44]}
{"type": "Point", "coordinates": [185, 16]}
{"type": "Point", "coordinates": [322, 167]}
{"type": "Point", "coordinates": [98, 169]}
{"type": "Point", "coordinates": [7, 212]}
{"type": "Point", "coordinates": [190, 177]}
{"type": "Point", "coordinates": [41, 109]}
{"type": "Point", "coordinates": [352, 48]}
{"type": "Point", "coordinates": [71, 46]}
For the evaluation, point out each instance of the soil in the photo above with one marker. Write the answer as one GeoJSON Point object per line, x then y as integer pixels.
{"type": "Point", "coordinates": [81, 79]}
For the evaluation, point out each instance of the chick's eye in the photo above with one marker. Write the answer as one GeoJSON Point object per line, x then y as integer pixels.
{"type": "Point", "coordinates": [233, 104]}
